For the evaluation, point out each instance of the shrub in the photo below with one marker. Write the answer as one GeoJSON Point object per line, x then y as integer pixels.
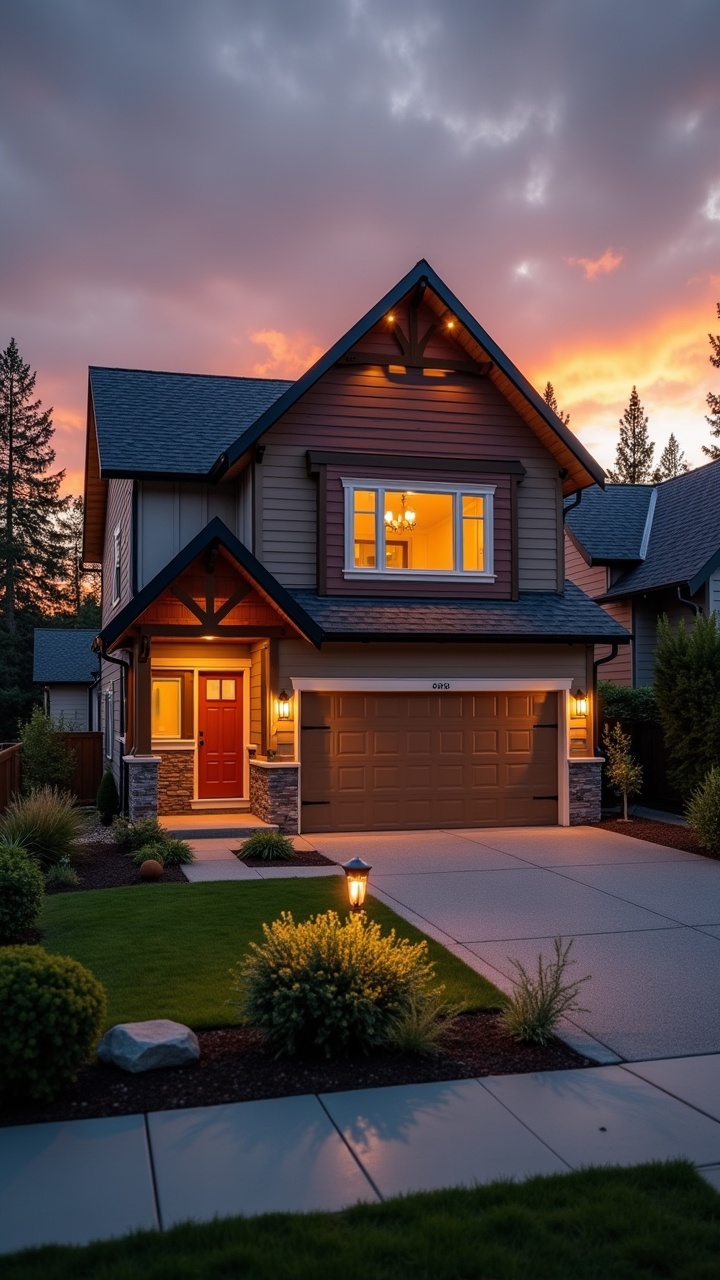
{"type": "Point", "coordinates": [133, 835]}
{"type": "Point", "coordinates": [169, 852]}
{"type": "Point", "coordinates": [329, 987]}
{"type": "Point", "coordinates": [703, 812]}
{"type": "Point", "coordinates": [21, 893]}
{"type": "Point", "coordinates": [620, 702]}
{"type": "Point", "coordinates": [46, 761]}
{"type": "Point", "coordinates": [107, 800]}
{"type": "Point", "coordinates": [46, 822]}
{"type": "Point", "coordinates": [687, 685]}
{"type": "Point", "coordinates": [53, 1013]}
{"type": "Point", "coordinates": [270, 846]}
{"type": "Point", "coordinates": [419, 1029]}
{"type": "Point", "coordinates": [624, 774]}
{"type": "Point", "coordinates": [63, 873]}
{"type": "Point", "coordinates": [538, 1003]}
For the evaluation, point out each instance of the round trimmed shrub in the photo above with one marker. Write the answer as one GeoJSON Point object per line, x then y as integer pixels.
{"type": "Point", "coordinates": [53, 1013]}
{"type": "Point", "coordinates": [331, 988]}
{"type": "Point", "coordinates": [268, 846]}
{"type": "Point", "coordinates": [703, 812]}
{"type": "Point", "coordinates": [21, 893]}
{"type": "Point", "coordinates": [169, 852]}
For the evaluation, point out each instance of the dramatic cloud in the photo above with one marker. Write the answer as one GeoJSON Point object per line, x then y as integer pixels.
{"type": "Point", "coordinates": [226, 187]}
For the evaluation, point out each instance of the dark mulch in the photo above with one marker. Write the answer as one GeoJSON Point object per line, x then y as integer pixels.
{"type": "Point", "coordinates": [667, 833]}
{"type": "Point", "coordinates": [233, 1067]}
{"type": "Point", "coordinates": [106, 866]}
{"type": "Point", "coordinates": [303, 858]}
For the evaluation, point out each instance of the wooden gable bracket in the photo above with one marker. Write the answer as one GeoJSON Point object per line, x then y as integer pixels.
{"type": "Point", "coordinates": [412, 348]}
{"type": "Point", "coordinates": [210, 617]}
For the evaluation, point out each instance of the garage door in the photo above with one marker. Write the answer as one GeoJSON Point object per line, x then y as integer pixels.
{"type": "Point", "coordinates": [382, 762]}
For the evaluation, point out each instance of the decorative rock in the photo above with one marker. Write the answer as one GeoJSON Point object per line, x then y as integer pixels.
{"type": "Point", "coordinates": [147, 1046]}
{"type": "Point", "coordinates": [151, 869]}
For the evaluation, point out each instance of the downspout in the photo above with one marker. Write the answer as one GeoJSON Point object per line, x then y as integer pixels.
{"type": "Point", "coordinates": [91, 691]}
{"type": "Point", "coordinates": [696, 608]}
{"type": "Point", "coordinates": [572, 505]}
{"type": "Point", "coordinates": [98, 646]}
{"type": "Point", "coordinates": [599, 662]}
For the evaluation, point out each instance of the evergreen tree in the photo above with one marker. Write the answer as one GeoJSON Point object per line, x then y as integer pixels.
{"type": "Point", "coordinates": [77, 582]}
{"type": "Point", "coordinates": [687, 688]}
{"type": "Point", "coordinates": [550, 398]}
{"type": "Point", "coordinates": [30, 543]}
{"type": "Point", "coordinates": [672, 462]}
{"type": "Point", "coordinates": [713, 401]}
{"type": "Point", "coordinates": [634, 455]}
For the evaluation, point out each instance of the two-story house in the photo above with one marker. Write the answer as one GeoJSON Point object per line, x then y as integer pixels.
{"type": "Point", "coordinates": [341, 602]}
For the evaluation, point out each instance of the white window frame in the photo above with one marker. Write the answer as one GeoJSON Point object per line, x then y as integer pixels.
{"type": "Point", "coordinates": [381, 570]}
{"type": "Point", "coordinates": [117, 575]}
{"type": "Point", "coordinates": [109, 722]}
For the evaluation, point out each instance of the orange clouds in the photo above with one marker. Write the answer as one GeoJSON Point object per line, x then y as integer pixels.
{"type": "Point", "coordinates": [594, 267]}
{"type": "Point", "coordinates": [289, 356]}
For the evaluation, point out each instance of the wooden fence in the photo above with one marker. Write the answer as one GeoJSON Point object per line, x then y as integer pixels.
{"type": "Point", "coordinates": [85, 781]}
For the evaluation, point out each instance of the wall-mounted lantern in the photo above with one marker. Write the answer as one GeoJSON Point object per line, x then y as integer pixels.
{"type": "Point", "coordinates": [283, 705]}
{"type": "Point", "coordinates": [581, 703]}
{"type": "Point", "coordinates": [356, 873]}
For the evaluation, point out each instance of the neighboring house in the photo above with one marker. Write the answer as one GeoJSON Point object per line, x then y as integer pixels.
{"type": "Point", "coordinates": [66, 666]}
{"type": "Point", "coordinates": [341, 602]}
{"type": "Point", "coordinates": [643, 551]}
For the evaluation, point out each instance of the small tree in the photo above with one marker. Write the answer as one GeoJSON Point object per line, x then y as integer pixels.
{"type": "Point", "coordinates": [550, 398]}
{"type": "Point", "coordinates": [672, 462]}
{"type": "Point", "coordinates": [687, 688]}
{"type": "Point", "coordinates": [713, 401]}
{"type": "Point", "coordinates": [634, 455]}
{"type": "Point", "coordinates": [46, 761]}
{"type": "Point", "coordinates": [623, 771]}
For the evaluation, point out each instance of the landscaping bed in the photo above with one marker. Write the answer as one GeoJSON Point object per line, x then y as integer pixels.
{"type": "Point", "coordinates": [301, 858]}
{"type": "Point", "coordinates": [106, 866]}
{"type": "Point", "coordinates": [656, 832]}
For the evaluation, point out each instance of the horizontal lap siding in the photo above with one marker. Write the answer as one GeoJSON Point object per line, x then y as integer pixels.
{"type": "Point", "coordinates": [620, 669]}
{"type": "Point", "coordinates": [592, 579]}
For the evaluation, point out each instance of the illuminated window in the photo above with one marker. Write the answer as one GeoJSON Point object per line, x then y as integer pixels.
{"type": "Point", "coordinates": [431, 529]}
{"type": "Point", "coordinates": [166, 707]}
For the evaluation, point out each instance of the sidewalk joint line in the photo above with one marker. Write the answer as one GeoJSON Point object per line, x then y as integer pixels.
{"type": "Point", "coordinates": [153, 1175]}
{"type": "Point", "coordinates": [354, 1154]}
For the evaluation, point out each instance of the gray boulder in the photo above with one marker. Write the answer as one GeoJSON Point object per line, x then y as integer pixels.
{"type": "Point", "coordinates": [146, 1046]}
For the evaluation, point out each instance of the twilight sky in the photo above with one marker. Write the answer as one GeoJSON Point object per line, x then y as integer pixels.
{"type": "Point", "coordinates": [225, 186]}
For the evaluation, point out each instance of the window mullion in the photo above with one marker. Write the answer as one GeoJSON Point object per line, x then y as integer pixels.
{"type": "Point", "coordinates": [458, 532]}
{"type": "Point", "coordinates": [380, 530]}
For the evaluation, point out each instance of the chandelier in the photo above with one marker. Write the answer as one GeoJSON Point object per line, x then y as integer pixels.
{"type": "Point", "coordinates": [402, 522]}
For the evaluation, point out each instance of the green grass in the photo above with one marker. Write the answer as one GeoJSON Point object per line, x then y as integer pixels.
{"type": "Point", "coordinates": [599, 1224]}
{"type": "Point", "coordinates": [165, 951]}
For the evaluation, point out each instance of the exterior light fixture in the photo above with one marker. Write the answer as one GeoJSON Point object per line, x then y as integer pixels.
{"type": "Point", "coordinates": [405, 521]}
{"type": "Point", "coordinates": [391, 318]}
{"type": "Point", "coordinates": [283, 705]}
{"type": "Point", "coordinates": [451, 324]}
{"type": "Point", "coordinates": [356, 873]}
{"type": "Point", "coordinates": [581, 703]}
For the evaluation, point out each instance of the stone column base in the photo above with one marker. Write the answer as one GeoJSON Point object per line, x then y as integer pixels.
{"type": "Point", "coordinates": [176, 782]}
{"type": "Point", "coordinates": [142, 786]}
{"type": "Point", "coordinates": [585, 778]}
{"type": "Point", "coordinates": [274, 793]}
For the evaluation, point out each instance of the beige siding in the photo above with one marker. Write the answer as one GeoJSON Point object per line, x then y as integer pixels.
{"type": "Point", "coordinates": [171, 515]}
{"type": "Point", "coordinates": [438, 662]}
{"type": "Point", "coordinates": [592, 579]}
{"type": "Point", "coordinates": [620, 670]}
{"type": "Point", "coordinates": [256, 707]}
{"type": "Point", "coordinates": [119, 515]}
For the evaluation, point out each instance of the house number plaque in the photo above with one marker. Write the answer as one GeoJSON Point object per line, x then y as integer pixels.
{"type": "Point", "coordinates": [441, 684]}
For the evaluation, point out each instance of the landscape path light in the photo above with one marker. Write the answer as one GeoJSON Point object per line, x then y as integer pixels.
{"type": "Point", "coordinates": [356, 873]}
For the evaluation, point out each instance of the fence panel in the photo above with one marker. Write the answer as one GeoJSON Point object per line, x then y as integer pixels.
{"type": "Point", "coordinates": [88, 764]}
{"type": "Point", "coordinates": [9, 772]}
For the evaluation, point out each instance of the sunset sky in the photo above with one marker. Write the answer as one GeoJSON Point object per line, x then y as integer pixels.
{"type": "Point", "coordinates": [225, 186]}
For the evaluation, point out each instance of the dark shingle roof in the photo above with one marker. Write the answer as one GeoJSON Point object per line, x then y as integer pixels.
{"type": "Point", "coordinates": [64, 656]}
{"type": "Point", "coordinates": [684, 543]}
{"type": "Point", "coordinates": [609, 523]}
{"type": "Point", "coordinates": [172, 423]}
{"type": "Point", "coordinates": [537, 615]}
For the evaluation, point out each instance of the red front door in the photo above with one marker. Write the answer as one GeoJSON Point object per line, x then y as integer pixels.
{"type": "Point", "coordinates": [220, 736]}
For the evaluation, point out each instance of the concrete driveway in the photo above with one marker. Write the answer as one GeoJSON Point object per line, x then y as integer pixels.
{"type": "Point", "coordinates": [645, 919]}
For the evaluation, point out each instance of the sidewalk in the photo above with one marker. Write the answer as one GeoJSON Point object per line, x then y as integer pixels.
{"type": "Point", "coordinates": [70, 1183]}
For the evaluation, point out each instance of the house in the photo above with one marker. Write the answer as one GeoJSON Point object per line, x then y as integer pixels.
{"type": "Point", "coordinates": [341, 602]}
{"type": "Point", "coordinates": [66, 666]}
{"type": "Point", "coordinates": [643, 551]}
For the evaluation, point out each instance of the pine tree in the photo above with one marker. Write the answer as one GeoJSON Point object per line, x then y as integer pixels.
{"type": "Point", "coordinates": [713, 401]}
{"type": "Point", "coordinates": [672, 462]}
{"type": "Point", "coordinates": [30, 543]}
{"type": "Point", "coordinates": [634, 455]}
{"type": "Point", "coordinates": [550, 398]}
{"type": "Point", "coordinates": [77, 581]}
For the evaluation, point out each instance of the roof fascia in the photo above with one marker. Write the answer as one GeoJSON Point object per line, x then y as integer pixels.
{"type": "Point", "coordinates": [218, 531]}
{"type": "Point", "coordinates": [497, 637]}
{"type": "Point", "coordinates": [582, 552]}
{"type": "Point", "coordinates": [421, 271]}
{"type": "Point", "coordinates": [128, 473]}
{"type": "Point", "coordinates": [703, 574]}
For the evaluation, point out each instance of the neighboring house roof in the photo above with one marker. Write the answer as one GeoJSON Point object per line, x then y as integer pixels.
{"type": "Point", "coordinates": [172, 424]}
{"type": "Point", "coordinates": [609, 523]}
{"type": "Point", "coordinates": [64, 656]}
{"type": "Point", "coordinates": [680, 539]}
{"type": "Point", "coordinates": [535, 616]}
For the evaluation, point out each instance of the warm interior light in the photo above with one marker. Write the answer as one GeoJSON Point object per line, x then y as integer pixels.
{"type": "Point", "coordinates": [581, 703]}
{"type": "Point", "coordinates": [356, 873]}
{"type": "Point", "coordinates": [404, 521]}
{"type": "Point", "coordinates": [283, 705]}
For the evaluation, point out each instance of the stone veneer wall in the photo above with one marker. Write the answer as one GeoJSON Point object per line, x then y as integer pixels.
{"type": "Point", "coordinates": [274, 794]}
{"type": "Point", "coordinates": [176, 782]}
{"type": "Point", "coordinates": [142, 786]}
{"type": "Point", "coordinates": [585, 785]}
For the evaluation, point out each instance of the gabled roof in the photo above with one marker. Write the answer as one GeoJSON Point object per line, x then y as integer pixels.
{"type": "Point", "coordinates": [64, 656]}
{"type": "Point", "coordinates": [609, 524]}
{"type": "Point", "coordinates": [215, 533]}
{"type": "Point", "coordinates": [172, 424]}
{"type": "Point", "coordinates": [537, 616]}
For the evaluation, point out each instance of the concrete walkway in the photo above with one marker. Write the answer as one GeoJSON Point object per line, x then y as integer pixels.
{"type": "Point", "coordinates": [91, 1179]}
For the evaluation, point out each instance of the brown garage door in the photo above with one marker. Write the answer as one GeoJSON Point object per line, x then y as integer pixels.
{"type": "Point", "coordinates": [382, 762]}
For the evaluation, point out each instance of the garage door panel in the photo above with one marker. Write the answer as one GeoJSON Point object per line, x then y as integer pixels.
{"type": "Point", "coordinates": [386, 776]}
{"type": "Point", "coordinates": [518, 706]}
{"type": "Point", "coordinates": [418, 742]}
{"type": "Point", "coordinates": [452, 741]}
{"type": "Point", "coordinates": [418, 707]}
{"type": "Point", "coordinates": [518, 740]}
{"type": "Point", "coordinates": [485, 706]}
{"type": "Point", "coordinates": [485, 741]}
{"type": "Point", "coordinates": [449, 775]}
{"type": "Point", "coordinates": [386, 743]}
{"type": "Point", "coordinates": [418, 775]}
{"type": "Point", "coordinates": [352, 778]}
{"type": "Point", "coordinates": [352, 742]}
{"type": "Point", "coordinates": [485, 775]}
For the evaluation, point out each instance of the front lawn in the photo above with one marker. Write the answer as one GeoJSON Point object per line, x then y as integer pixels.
{"type": "Point", "coordinates": [615, 1224]}
{"type": "Point", "coordinates": [166, 951]}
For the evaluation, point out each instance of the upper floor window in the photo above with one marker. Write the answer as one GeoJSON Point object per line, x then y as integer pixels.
{"type": "Point", "coordinates": [117, 575]}
{"type": "Point", "coordinates": [434, 530]}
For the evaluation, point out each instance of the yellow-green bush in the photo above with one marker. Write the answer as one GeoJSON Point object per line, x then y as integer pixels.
{"type": "Point", "coordinates": [53, 1010]}
{"type": "Point", "coordinates": [329, 987]}
{"type": "Point", "coordinates": [703, 812]}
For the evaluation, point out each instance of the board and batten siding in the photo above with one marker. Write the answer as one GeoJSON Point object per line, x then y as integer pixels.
{"type": "Point", "coordinates": [646, 612]}
{"type": "Point", "coordinates": [169, 516]}
{"type": "Point", "coordinates": [119, 515]}
{"type": "Point", "coordinates": [368, 409]}
{"type": "Point", "coordinates": [590, 578]}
